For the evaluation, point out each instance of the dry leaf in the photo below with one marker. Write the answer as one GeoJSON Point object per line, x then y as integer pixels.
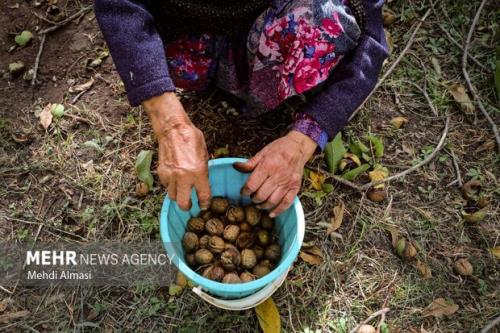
{"type": "Point", "coordinates": [461, 97]}
{"type": "Point", "coordinates": [394, 235]}
{"type": "Point", "coordinates": [268, 316]}
{"type": "Point", "coordinates": [317, 180]}
{"type": "Point", "coordinates": [46, 116]}
{"type": "Point", "coordinates": [338, 217]}
{"type": "Point", "coordinates": [314, 250]}
{"type": "Point", "coordinates": [389, 17]}
{"type": "Point", "coordinates": [397, 122]}
{"type": "Point", "coordinates": [310, 259]}
{"type": "Point", "coordinates": [82, 87]}
{"type": "Point", "coordinates": [440, 307]}
{"type": "Point", "coordinates": [424, 270]}
{"type": "Point", "coordinates": [389, 40]}
{"type": "Point", "coordinates": [496, 252]}
{"type": "Point", "coordinates": [6, 318]}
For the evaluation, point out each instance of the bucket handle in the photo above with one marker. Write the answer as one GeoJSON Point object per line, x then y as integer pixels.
{"type": "Point", "coordinates": [244, 303]}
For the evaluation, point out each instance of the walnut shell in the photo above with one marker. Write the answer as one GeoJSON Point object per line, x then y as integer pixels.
{"type": "Point", "coordinates": [263, 237]}
{"type": "Point", "coordinates": [231, 232]}
{"type": "Point", "coordinates": [214, 226]}
{"type": "Point", "coordinates": [190, 241]}
{"type": "Point", "coordinates": [191, 260]}
{"type": "Point", "coordinates": [214, 272]}
{"type": "Point", "coordinates": [266, 222]}
{"type": "Point", "coordinates": [203, 256]}
{"type": "Point", "coordinates": [230, 259]}
{"type": "Point", "coordinates": [268, 263]}
{"type": "Point", "coordinates": [260, 270]}
{"type": "Point", "coordinates": [219, 205]}
{"type": "Point", "coordinates": [206, 215]}
{"type": "Point", "coordinates": [245, 240]}
{"type": "Point", "coordinates": [204, 241]}
{"type": "Point", "coordinates": [245, 227]}
{"type": "Point", "coordinates": [252, 215]}
{"type": "Point", "coordinates": [196, 225]}
{"type": "Point", "coordinates": [235, 215]}
{"type": "Point", "coordinates": [463, 267]}
{"type": "Point", "coordinates": [246, 277]}
{"type": "Point", "coordinates": [231, 278]}
{"type": "Point", "coordinates": [216, 244]}
{"type": "Point", "coordinates": [273, 252]}
{"type": "Point", "coordinates": [259, 252]}
{"type": "Point", "coordinates": [248, 259]}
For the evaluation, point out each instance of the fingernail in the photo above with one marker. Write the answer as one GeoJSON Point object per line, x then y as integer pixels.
{"type": "Point", "coordinates": [272, 215]}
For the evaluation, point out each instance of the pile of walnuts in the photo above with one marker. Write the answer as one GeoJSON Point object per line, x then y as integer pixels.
{"type": "Point", "coordinates": [231, 244]}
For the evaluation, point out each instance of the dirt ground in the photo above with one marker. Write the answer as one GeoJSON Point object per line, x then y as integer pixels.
{"type": "Point", "coordinates": [55, 185]}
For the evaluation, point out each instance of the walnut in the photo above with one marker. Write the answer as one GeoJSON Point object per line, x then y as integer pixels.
{"type": "Point", "coordinates": [246, 277]}
{"type": "Point", "coordinates": [235, 215]}
{"type": "Point", "coordinates": [230, 259]}
{"type": "Point", "coordinates": [248, 259]}
{"type": "Point", "coordinates": [191, 260]}
{"type": "Point", "coordinates": [190, 241]}
{"type": "Point", "coordinates": [203, 256]}
{"type": "Point", "coordinates": [214, 272]}
{"type": "Point", "coordinates": [259, 252]}
{"type": "Point", "coordinates": [214, 226]}
{"type": "Point", "coordinates": [204, 241]}
{"type": "Point", "coordinates": [263, 237]}
{"type": "Point", "coordinates": [231, 278]}
{"type": "Point", "coordinates": [273, 252]}
{"type": "Point", "coordinates": [206, 215]}
{"type": "Point", "coordinates": [266, 222]}
{"type": "Point", "coordinates": [245, 227]}
{"type": "Point", "coordinates": [245, 240]}
{"type": "Point", "coordinates": [268, 263]}
{"type": "Point", "coordinates": [196, 224]}
{"type": "Point", "coordinates": [231, 232]}
{"type": "Point", "coordinates": [463, 267]}
{"type": "Point", "coordinates": [219, 205]}
{"type": "Point", "coordinates": [260, 270]}
{"type": "Point", "coordinates": [216, 244]}
{"type": "Point", "coordinates": [252, 215]}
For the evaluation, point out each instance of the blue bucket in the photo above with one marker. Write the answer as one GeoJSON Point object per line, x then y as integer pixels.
{"type": "Point", "coordinates": [226, 181]}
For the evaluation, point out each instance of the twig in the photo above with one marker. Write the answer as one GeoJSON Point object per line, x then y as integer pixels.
{"type": "Point", "coordinates": [467, 78]}
{"type": "Point", "coordinates": [343, 181]}
{"type": "Point", "coordinates": [457, 168]}
{"type": "Point", "coordinates": [418, 165]}
{"type": "Point", "coordinates": [66, 21]}
{"type": "Point", "coordinates": [37, 60]}
{"type": "Point", "coordinates": [426, 95]}
{"type": "Point", "coordinates": [396, 62]}
{"type": "Point", "coordinates": [370, 318]}
{"type": "Point", "coordinates": [490, 325]}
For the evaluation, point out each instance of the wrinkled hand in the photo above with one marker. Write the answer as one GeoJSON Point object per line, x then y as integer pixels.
{"type": "Point", "coordinates": [277, 172]}
{"type": "Point", "coordinates": [182, 152]}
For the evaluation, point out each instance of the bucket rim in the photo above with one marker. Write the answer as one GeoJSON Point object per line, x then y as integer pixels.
{"type": "Point", "coordinates": [246, 287]}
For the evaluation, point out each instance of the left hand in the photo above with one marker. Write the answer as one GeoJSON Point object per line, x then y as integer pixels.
{"type": "Point", "coordinates": [277, 172]}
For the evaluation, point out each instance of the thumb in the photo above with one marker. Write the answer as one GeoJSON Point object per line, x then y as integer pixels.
{"type": "Point", "coordinates": [247, 166]}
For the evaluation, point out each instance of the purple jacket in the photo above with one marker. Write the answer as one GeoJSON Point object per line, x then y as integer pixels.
{"type": "Point", "coordinates": [138, 53]}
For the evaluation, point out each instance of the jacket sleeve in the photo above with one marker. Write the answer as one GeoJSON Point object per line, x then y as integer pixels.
{"type": "Point", "coordinates": [354, 78]}
{"type": "Point", "coordinates": [136, 47]}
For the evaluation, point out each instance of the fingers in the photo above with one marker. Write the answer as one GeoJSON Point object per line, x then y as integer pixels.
{"type": "Point", "coordinates": [172, 190]}
{"type": "Point", "coordinates": [184, 195]}
{"type": "Point", "coordinates": [265, 191]}
{"type": "Point", "coordinates": [203, 192]}
{"type": "Point", "coordinates": [255, 181]}
{"type": "Point", "coordinates": [285, 203]}
{"type": "Point", "coordinates": [249, 165]}
{"type": "Point", "coordinates": [274, 199]}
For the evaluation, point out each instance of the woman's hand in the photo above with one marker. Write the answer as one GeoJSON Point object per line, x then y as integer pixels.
{"type": "Point", "coordinates": [277, 172]}
{"type": "Point", "coordinates": [182, 152]}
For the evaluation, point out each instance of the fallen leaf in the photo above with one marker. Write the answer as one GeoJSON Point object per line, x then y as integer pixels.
{"type": "Point", "coordinates": [268, 316]}
{"type": "Point", "coordinates": [389, 40]}
{"type": "Point", "coordinates": [314, 250]}
{"type": "Point", "coordinates": [440, 307]}
{"type": "Point", "coordinates": [389, 17]}
{"type": "Point", "coordinates": [354, 173]}
{"type": "Point", "coordinates": [317, 180]}
{"type": "Point", "coordinates": [397, 122]}
{"type": "Point", "coordinates": [496, 252]}
{"type": "Point", "coordinates": [143, 167]}
{"type": "Point", "coordinates": [394, 235]}
{"type": "Point", "coordinates": [8, 317]}
{"type": "Point", "coordinates": [334, 151]}
{"type": "Point", "coordinates": [175, 290]}
{"type": "Point", "coordinates": [310, 259]}
{"type": "Point", "coordinates": [23, 38]}
{"type": "Point", "coordinates": [46, 116]}
{"type": "Point", "coordinates": [82, 87]}
{"type": "Point", "coordinates": [338, 217]}
{"type": "Point", "coordinates": [461, 97]}
{"type": "Point", "coordinates": [424, 270]}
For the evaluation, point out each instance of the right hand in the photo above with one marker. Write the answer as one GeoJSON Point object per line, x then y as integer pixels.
{"type": "Point", "coordinates": [182, 152]}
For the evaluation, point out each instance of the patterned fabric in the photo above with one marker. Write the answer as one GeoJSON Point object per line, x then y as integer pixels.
{"type": "Point", "coordinates": [306, 124]}
{"type": "Point", "coordinates": [287, 52]}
